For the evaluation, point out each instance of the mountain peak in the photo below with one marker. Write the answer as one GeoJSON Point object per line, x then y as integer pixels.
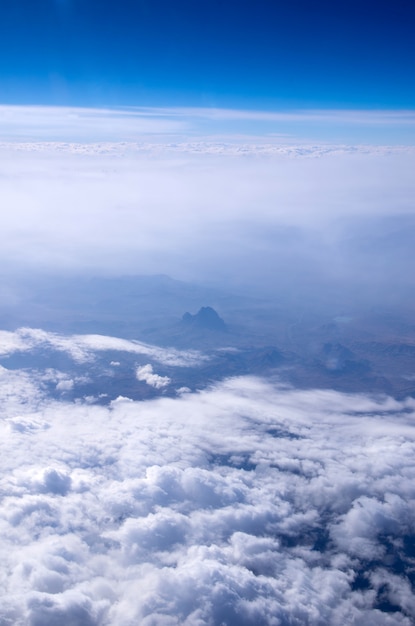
{"type": "Point", "coordinates": [205, 318]}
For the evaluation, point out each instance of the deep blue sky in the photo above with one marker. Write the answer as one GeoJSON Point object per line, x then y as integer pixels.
{"type": "Point", "coordinates": [262, 54]}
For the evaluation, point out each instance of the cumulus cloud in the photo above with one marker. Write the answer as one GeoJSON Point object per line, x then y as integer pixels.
{"type": "Point", "coordinates": [145, 373]}
{"type": "Point", "coordinates": [245, 503]}
{"type": "Point", "coordinates": [65, 385]}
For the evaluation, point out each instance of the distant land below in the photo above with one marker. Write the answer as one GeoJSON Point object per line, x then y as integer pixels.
{"type": "Point", "coordinates": [298, 342]}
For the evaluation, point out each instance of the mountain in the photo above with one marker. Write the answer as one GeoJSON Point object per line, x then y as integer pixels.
{"type": "Point", "coordinates": [348, 349]}
{"type": "Point", "coordinates": [206, 319]}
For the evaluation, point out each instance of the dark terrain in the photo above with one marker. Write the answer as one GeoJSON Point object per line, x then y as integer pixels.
{"type": "Point", "coordinates": [306, 344]}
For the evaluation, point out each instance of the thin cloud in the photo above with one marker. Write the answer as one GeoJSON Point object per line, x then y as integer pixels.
{"type": "Point", "coordinates": [43, 123]}
{"type": "Point", "coordinates": [19, 123]}
{"type": "Point", "coordinates": [83, 347]}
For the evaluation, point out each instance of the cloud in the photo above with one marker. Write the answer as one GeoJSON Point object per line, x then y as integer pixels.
{"type": "Point", "coordinates": [276, 217]}
{"type": "Point", "coordinates": [145, 373]}
{"type": "Point", "coordinates": [81, 348]}
{"type": "Point", "coordinates": [212, 196]}
{"type": "Point", "coordinates": [245, 503]}
{"type": "Point", "coordinates": [361, 116]}
{"type": "Point", "coordinates": [19, 123]}
{"type": "Point", "coordinates": [20, 391]}
{"type": "Point", "coordinates": [228, 148]}
{"type": "Point", "coordinates": [66, 124]}
{"type": "Point", "coordinates": [65, 385]}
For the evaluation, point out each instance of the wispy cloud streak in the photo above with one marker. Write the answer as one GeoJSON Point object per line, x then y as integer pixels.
{"type": "Point", "coordinates": [83, 347]}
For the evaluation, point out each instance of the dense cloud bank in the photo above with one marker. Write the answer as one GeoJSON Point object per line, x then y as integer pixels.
{"type": "Point", "coordinates": [243, 504]}
{"type": "Point", "coordinates": [230, 208]}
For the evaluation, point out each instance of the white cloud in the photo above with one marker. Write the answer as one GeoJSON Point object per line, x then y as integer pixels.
{"type": "Point", "coordinates": [19, 392]}
{"type": "Point", "coordinates": [65, 385]}
{"type": "Point", "coordinates": [361, 116]}
{"type": "Point", "coordinates": [241, 504]}
{"type": "Point", "coordinates": [82, 347]}
{"type": "Point", "coordinates": [236, 201]}
{"type": "Point", "coordinates": [245, 503]}
{"type": "Point", "coordinates": [228, 147]}
{"type": "Point", "coordinates": [145, 373]}
{"type": "Point", "coordinates": [42, 122]}
{"type": "Point", "coordinates": [22, 123]}
{"type": "Point", "coordinates": [254, 220]}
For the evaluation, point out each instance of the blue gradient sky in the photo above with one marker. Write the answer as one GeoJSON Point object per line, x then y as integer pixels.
{"type": "Point", "coordinates": [267, 54]}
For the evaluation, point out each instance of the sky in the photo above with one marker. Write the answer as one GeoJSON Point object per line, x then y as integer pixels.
{"type": "Point", "coordinates": [137, 136]}
{"type": "Point", "coordinates": [265, 148]}
{"type": "Point", "coordinates": [224, 54]}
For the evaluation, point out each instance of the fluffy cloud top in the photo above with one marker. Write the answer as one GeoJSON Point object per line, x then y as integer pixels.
{"type": "Point", "coordinates": [245, 503]}
{"type": "Point", "coordinates": [146, 374]}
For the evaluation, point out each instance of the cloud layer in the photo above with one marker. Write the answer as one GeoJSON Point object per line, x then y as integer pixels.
{"type": "Point", "coordinates": [246, 503]}
{"type": "Point", "coordinates": [198, 211]}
